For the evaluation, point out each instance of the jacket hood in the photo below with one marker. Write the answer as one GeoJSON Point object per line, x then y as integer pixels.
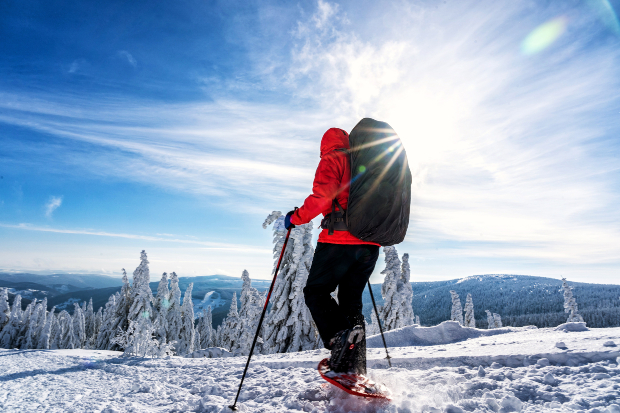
{"type": "Point", "coordinates": [334, 138]}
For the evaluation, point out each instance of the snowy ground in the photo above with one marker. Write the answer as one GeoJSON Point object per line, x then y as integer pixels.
{"type": "Point", "coordinates": [518, 370]}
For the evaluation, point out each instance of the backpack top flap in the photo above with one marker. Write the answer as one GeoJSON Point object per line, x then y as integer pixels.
{"type": "Point", "coordinates": [380, 192]}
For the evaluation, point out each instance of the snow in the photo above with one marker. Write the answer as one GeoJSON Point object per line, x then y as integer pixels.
{"type": "Point", "coordinates": [212, 298]}
{"type": "Point", "coordinates": [458, 370]}
{"type": "Point", "coordinates": [577, 326]}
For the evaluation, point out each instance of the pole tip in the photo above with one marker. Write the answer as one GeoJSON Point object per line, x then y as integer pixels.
{"type": "Point", "coordinates": [233, 407]}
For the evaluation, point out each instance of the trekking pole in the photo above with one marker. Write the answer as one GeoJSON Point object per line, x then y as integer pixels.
{"type": "Point", "coordinates": [273, 282]}
{"type": "Point", "coordinates": [372, 297]}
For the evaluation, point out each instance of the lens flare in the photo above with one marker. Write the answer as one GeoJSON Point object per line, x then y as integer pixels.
{"type": "Point", "coordinates": [544, 36]}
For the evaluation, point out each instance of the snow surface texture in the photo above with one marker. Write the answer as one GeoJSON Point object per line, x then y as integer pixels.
{"type": "Point", "coordinates": [514, 369]}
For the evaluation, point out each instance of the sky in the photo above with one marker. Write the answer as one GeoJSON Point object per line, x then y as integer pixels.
{"type": "Point", "coordinates": [177, 127]}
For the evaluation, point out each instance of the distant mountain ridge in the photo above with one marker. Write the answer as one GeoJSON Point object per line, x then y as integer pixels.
{"type": "Point", "coordinates": [519, 299]}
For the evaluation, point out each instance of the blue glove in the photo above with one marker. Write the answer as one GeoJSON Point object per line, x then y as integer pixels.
{"type": "Point", "coordinates": [287, 220]}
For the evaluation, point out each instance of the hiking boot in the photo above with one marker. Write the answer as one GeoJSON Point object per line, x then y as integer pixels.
{"type": "Point", "coordinates": [344, 349]}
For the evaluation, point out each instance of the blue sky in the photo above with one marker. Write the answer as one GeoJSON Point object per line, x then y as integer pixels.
{"type": "Point", "coordinates": [177, 127]}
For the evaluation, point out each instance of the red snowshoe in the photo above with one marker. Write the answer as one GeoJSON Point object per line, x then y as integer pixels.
{"type": "Point", "coordinates": [352, 383]}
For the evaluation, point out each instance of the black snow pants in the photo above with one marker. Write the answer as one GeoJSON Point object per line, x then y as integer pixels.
{"type": "Point", "coordinates": [347, 267]}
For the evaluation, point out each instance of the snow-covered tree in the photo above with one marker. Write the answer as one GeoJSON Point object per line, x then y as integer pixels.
{"type": "Point", "coordinates": [498, 320]}
{"type": "Point", "coordinates": [67, 340]}
{"type": "Point", "coordinates": [97, 325]}
{"type": "Point", "coordinates": [46, 330]}
{"type": "Point", "coordinates": [457, 308]}
{"type": "Point", "coordinates": [107, 330]}
{"type": "Point", "coordinates": [141, 295]}
{"type": "Point", "coordinates": [139, 340]}
{"type": "Point", "coordinates": [185, 344]}
{"type": "Point", "coordinates": [174, 311]}
{"type": "Point", "coordinates": [36, 324]}
{"type": "Point", "coordinates": [205, 329]}
{"type": "Point", "coordinates": [227, 332]}
{"type": "Point", "coordinates": [251, 307]}
{"type": "Point", "coordinates": [5, 310]}
{"type": "Point", "coordinates": [570, 304]}
{"type": "Point", "coordinates": [490, 319]}
{"type": "Point", "coordinates": [10, 332]}
{"type": "Point", "coordinates": [469, 312]}
{"type": "Point", "coordinates": [417, 320]}
{"type": "Point", "coordinates": [24, 324]}
{"type": "Point", "coordinates": [161, 305]}
{"type": "Point", "coordinates": [289, 326]}
{"type": "Point", "coordinates": [79, 329]}
{"type": "Point", "coordinates": [396, 290]}
{"type": "Point", "coordinates": [56, 331]}
{"type": "Point", "coordinates": [89, 324]}
{"type": "Point", "coordinates": [116, 321]}
{"type": "Point", "coordinates": [373, 327]}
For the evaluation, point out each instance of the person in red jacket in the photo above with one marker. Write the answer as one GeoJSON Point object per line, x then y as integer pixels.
{"type": "Point", "coordinates": [340, 260]}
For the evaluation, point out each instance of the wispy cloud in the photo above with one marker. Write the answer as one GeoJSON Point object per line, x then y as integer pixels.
{"type": "Point", "coordinates": [203, 244]}
{"type": "Point", "coordinates": [52, 205]}
{"type": "Point", "coordinates": [128, 57]}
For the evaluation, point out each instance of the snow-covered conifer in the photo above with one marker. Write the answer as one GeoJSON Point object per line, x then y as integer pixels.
{"type": "Point", "coordinates": [570, 304]}
{"type": "Point", "coordinates": [457, 308]}
{"type": "Point", "coordinates": [119, 319]}
{"type": "Point", "coordinates": [498, 320]}
{"type": "Point", "coordinates": [396, 290]}
{"type": "Point", "coordinates": [205, 328]}
{"type": "Point", "coordinates": [79, 329]}
{"type": "Point", "coordinates": [469, 312]}
{"type": "Point", "coordinates": [141, 294]}
{"type": "Point", "coordinates": [251, 307]}
{"type": "Point", "coordinates": [139, 340]}
{"type": "Point", "coordinates": [107, 330]}
{"type": "Point", "coordinates": [175, 320]}
{"type": "Point", "coordinates": [417, 320]}
{"type": "Point", "coordinates": [490, 319]}
{"type": "Point", "coordinates": [10, 333]}
{"type": "Point", "coordinates": [227, 331]}
{"type": "Point", "coordinates": [373, 327]}
{"type": "Point", "coordinates": [46, 331]}
{"type": "Point", "coordinates": [185, 344]}
{"type": "Point", "coordinates": [24, 324]}
{"type": "Point", "coordinates": [36, 324]}
{"type": "Point", "coordinates": [5, 310]}
{"type": "Point", "coordinates": [89, 324]}
{"type": "Point", "coordinates": [160, 306]}
{"type": "Point", "coordinates": [67, 340]}
{"type": "Point", "coordinates": [98, 321]}
{"type": "Point", "coordinates": [289, 326]}
{"type": "Point", "coordinates": [56, 331]}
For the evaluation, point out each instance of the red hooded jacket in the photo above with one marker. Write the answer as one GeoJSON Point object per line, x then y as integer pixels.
{"type": "Point", "coordinates": [330, 181]}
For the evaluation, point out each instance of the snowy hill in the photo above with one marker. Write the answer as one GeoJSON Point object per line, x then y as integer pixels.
{"type": "Point", "coordinates": [459, 370]}
{"type": "Point", "coordinates": [519, 299]}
